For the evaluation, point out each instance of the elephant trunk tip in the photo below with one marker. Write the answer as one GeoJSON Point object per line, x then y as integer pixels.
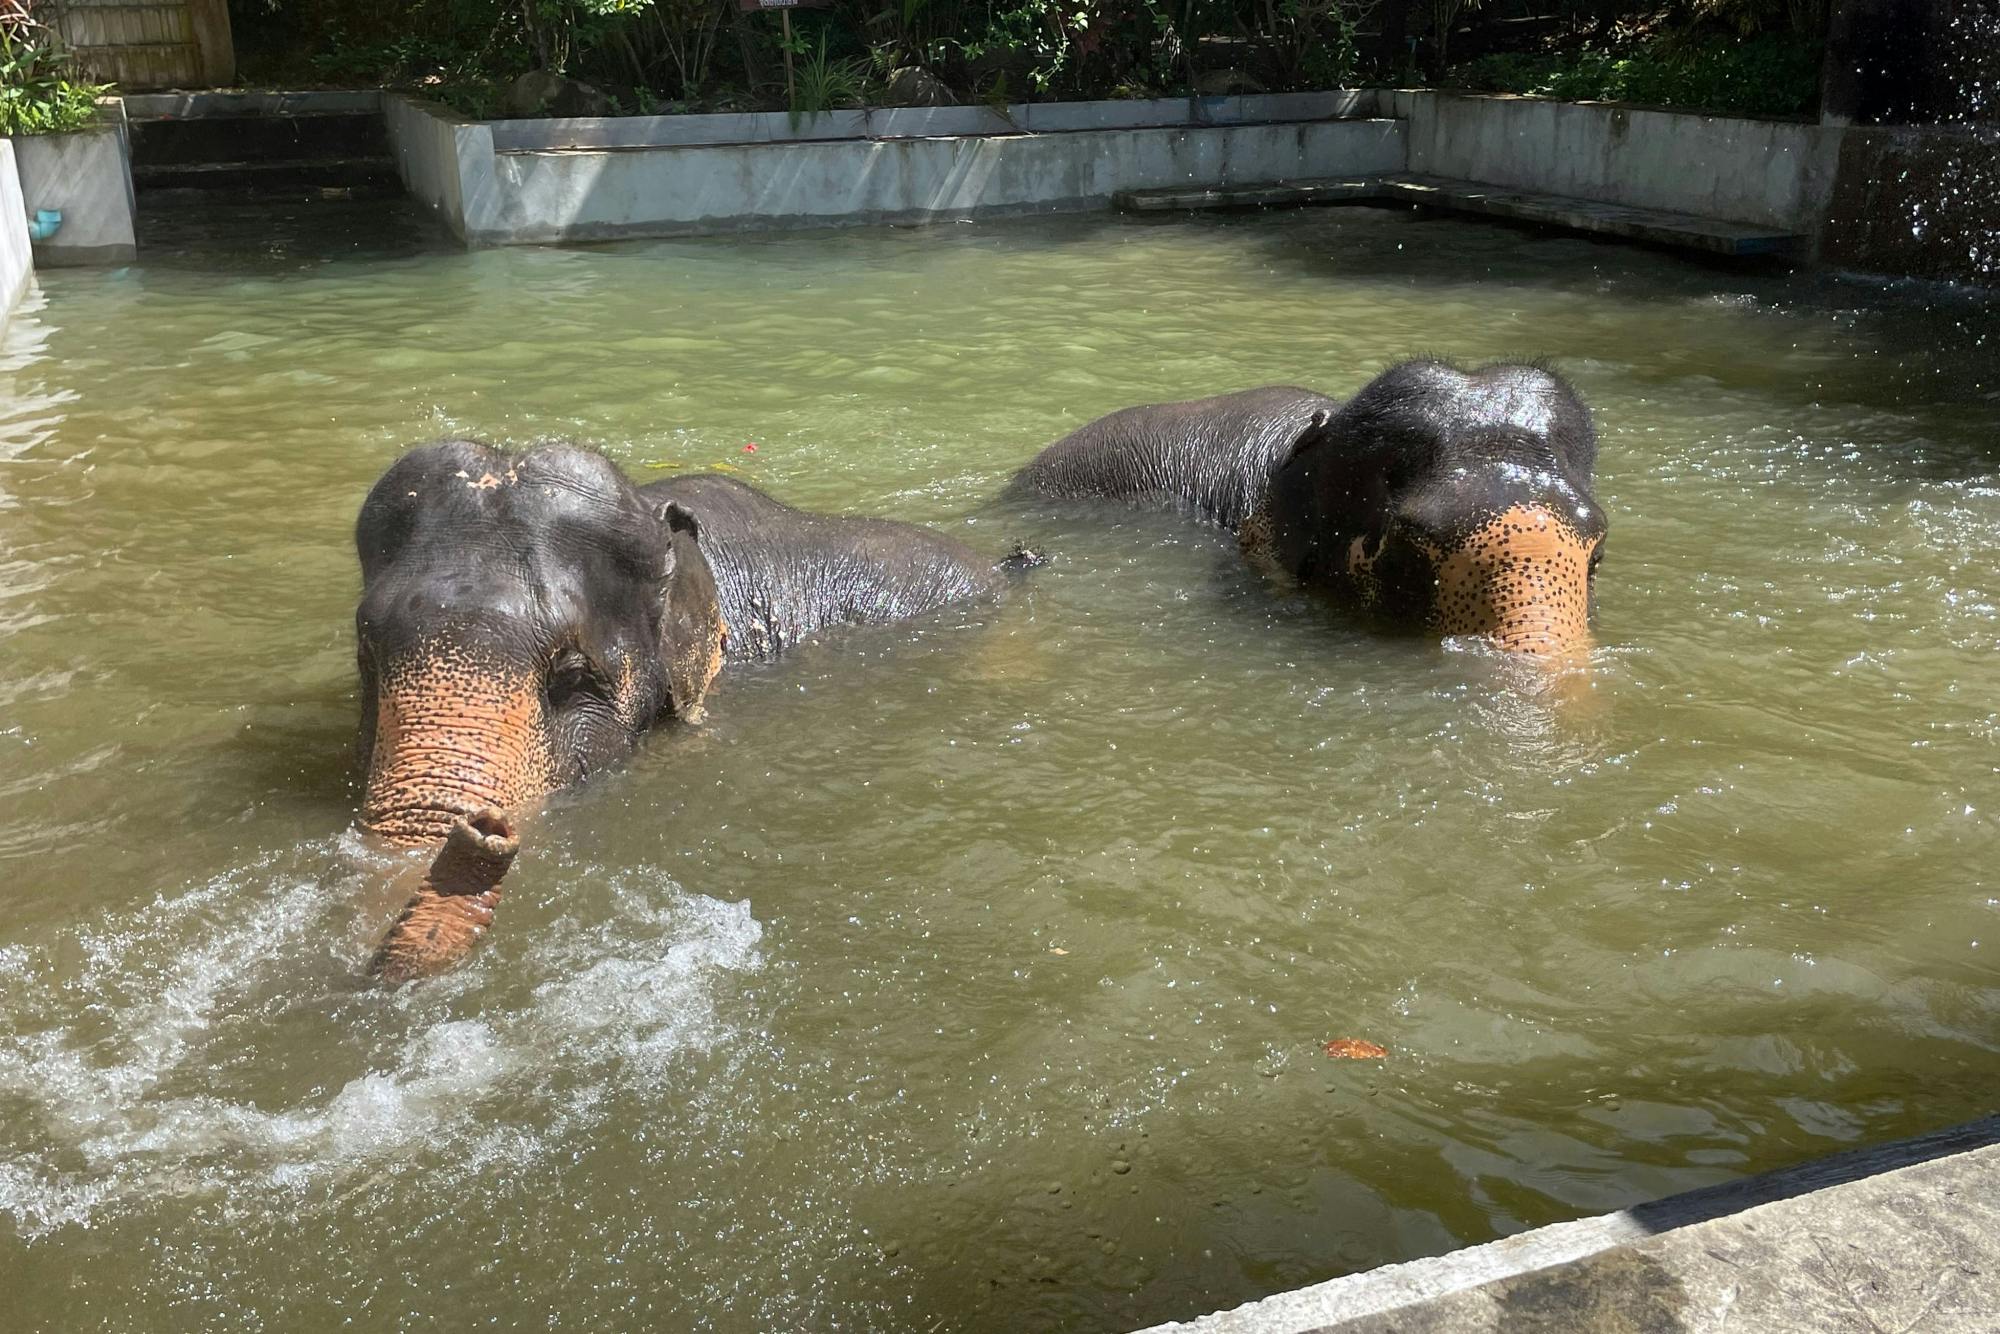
{"type": "Point", "coordinates": [453, 907]}
{"type": "Point", "coordinates": [488, 832]}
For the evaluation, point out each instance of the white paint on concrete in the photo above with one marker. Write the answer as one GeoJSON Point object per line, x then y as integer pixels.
{"type": "Point", "coordinates": [88, 176]}
{"type": "Point", "coordinates": [17, 262]}
{"type": "Point", "coordinates": [1769, 173]}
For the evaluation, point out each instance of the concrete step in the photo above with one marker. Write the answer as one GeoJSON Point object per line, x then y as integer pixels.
{"type": "Point", "coordinates": [1683, 230]}
{"type": "Point", "coordinates": [355, 177]}
{"type": "Point", "coordinates": [162, 141]}
{"type": "Point", "coordinates": [1903, 1236]}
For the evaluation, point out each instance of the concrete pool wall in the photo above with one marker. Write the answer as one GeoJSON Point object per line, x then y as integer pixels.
{"type": "Point", "coordinates": [1773, 173]}
{"type": "Point", "coordinates": [86, 175]}
{"type": "Point", "coordinates": [513, 182]}
{"type": "Point", "coordinates": [17, 261]}
{"type": "Point", "coordinates": [582, 180]}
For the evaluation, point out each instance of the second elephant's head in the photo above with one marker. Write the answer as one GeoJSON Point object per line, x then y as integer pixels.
{"type": "Point", "coordinates": [524, 618]}
{"type": "Point", "coordinates": [1458, 500]}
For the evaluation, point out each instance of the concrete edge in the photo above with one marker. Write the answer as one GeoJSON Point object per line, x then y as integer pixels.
{"type": "Point", "coordinates": [87, 175]}
{"type": "Point", "coordinates": [588, 232]}
{"type": "Point", "coordinates": [608, 132]}
{"type": "Point", "coordinates": [194, 105]}
{"type": "Point", "coordinates": [17, 262]}
{"type": "Point", "coordinates": [1392, 1287]}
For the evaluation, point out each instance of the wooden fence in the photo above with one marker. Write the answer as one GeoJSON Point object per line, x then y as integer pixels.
{"type": "Point", "coordinates": [163, 44]}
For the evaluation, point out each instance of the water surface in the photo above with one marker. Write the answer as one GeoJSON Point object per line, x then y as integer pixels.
{"type": "Point", "coordinates": [974, 974]}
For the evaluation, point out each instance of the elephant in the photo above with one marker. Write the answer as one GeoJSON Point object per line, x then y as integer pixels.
{"type": "Point", "coordinates": [526, 617]}
{"type": "Point", "coordinates": [1459, 500]}
{"type": "Point", "coordinates": [785, 575]}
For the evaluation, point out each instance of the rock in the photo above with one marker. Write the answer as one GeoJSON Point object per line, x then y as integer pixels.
{"type": "Point", "coordinates": [545, 93]}
{"type": "Point", "coordinates": [914, 86]}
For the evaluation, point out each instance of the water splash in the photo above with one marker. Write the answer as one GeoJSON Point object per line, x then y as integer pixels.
{"type": "Point", "coordinates": [143, 1091]}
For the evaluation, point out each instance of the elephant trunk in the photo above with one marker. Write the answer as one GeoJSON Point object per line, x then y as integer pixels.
{"type": "Point", "coordinates": [1522, 581]}
{"type": "Point", "coordinates": [451, 738]}
{"type": "Point", "coordinates": [453, 907]}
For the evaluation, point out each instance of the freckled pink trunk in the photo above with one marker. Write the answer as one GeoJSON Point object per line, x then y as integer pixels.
{"type": "Point", "coordinates": [453, 907]}
{"type": "Point", "coordinates": [450, 739]}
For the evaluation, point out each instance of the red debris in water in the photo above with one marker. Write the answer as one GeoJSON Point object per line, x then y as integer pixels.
{"type": "Point", "coordinates": [1355, 1049]}
{"type": "Point", "coordinates": [750, 448]}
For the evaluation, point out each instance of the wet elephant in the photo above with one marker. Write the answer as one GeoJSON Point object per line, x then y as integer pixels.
{"type": "Point", "coordinates": [526, 618]}
{"type": "Point", "coordinates": [1458, 500]}
{"type": "Point", "coordinates": [784, 575]}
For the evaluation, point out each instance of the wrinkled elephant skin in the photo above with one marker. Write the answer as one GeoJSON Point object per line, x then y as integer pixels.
{"type": "Point", "coordinates": [524, 619]}
{"type": "Point", "coordinates": [453, 907]}
{"type": "Point", "coordinates": [1459, 501]}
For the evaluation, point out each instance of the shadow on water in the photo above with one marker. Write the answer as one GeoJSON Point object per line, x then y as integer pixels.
{"type": "Point", "coordinates": [197, 231]}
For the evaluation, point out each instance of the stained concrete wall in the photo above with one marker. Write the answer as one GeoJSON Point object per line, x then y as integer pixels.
{"type": "Point", "coordinates": [88, 176]}
{"type": "Point", "coordinates": [1766, 172]}
{"type": "Point", "coordinates": [509, 182]}
{"type": "Point", "coordinates": [17, 264]}
{"type": "Point", "coordinates": [766, 127]}
{"type": "Point", "coordinates": [500, 198]}
{"type": "Point", "coordinates": [445, 160]}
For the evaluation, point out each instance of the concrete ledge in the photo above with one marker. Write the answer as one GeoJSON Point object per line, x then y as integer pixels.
{"type": "Point", "coordinates": [1682, 230]}
{"type": "Point", "coordinates": [17, 263]}
{"type": "Point", "coordinates": [776, 127]}
{"type": "Point", "coordinates": [201, 105]}
{"type": "Point", "coordinates": [1901, 1237]}
{"type": "Point", "coordinates": [88, 176]}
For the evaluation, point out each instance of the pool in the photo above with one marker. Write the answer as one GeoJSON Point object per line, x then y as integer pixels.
{"type": "Point", "coordinates": [975, 974]}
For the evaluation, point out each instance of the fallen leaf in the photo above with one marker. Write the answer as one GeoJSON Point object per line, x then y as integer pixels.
{"type": "Point", "coordinates": [1057, 949]}
{"type": "Point", "coordinates": [1355, 1049]}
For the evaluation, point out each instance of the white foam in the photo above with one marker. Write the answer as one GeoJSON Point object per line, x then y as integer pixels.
{"type": "Point", "coordinates": [177, 990]}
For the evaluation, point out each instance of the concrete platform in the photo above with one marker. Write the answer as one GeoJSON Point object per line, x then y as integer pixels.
{"type": "Point", "coordinates": [1905, 1237]}
{"type": "Point", "coordinates": [1683, 230]}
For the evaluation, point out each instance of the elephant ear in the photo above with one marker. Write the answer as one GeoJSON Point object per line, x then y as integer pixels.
{"type": "Point", "coordinates": [679, 519]}
{"type": "Point", "coordinates": [674, 520]}
{"type": "Point", "coordinates": [1309, 435]}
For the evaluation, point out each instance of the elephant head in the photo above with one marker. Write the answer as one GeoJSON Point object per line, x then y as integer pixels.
{"type": "Point", "coordinates": [524, 618]}
{"type": "Point", "coordinates": [1461, 500]}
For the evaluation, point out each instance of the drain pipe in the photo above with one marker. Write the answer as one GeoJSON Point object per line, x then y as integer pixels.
{"type": "Point", "coordinates": [47, 222]}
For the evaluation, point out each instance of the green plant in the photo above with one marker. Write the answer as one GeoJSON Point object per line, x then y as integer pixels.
{"type": "Point", "coordinates": [1772, 75]}
{"type": "Point", "coordinates": [824, 84]}
{"type": "Point", "coordinates": [39, 90]}
{"type": "Point", "coordinates": [1315, 41]}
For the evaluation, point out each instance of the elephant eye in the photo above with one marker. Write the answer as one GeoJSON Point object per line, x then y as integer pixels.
{"type": "Point", "coordinates": [571, 677]}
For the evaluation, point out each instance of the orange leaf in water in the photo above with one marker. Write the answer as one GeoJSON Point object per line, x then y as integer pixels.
{"type": "Point", "coordinates": [1355, 1049]}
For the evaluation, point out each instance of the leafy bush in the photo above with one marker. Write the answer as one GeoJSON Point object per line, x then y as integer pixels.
{"type": "Point", "coordinates": [1749, 57]}
{"type": "Point", "coordinates": [39, 90]}
{"type": "Point", "coordinates": [1776, 74]}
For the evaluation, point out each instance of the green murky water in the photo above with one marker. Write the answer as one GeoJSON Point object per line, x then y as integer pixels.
{"type": "Point", "coordinates": [974, 975]}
